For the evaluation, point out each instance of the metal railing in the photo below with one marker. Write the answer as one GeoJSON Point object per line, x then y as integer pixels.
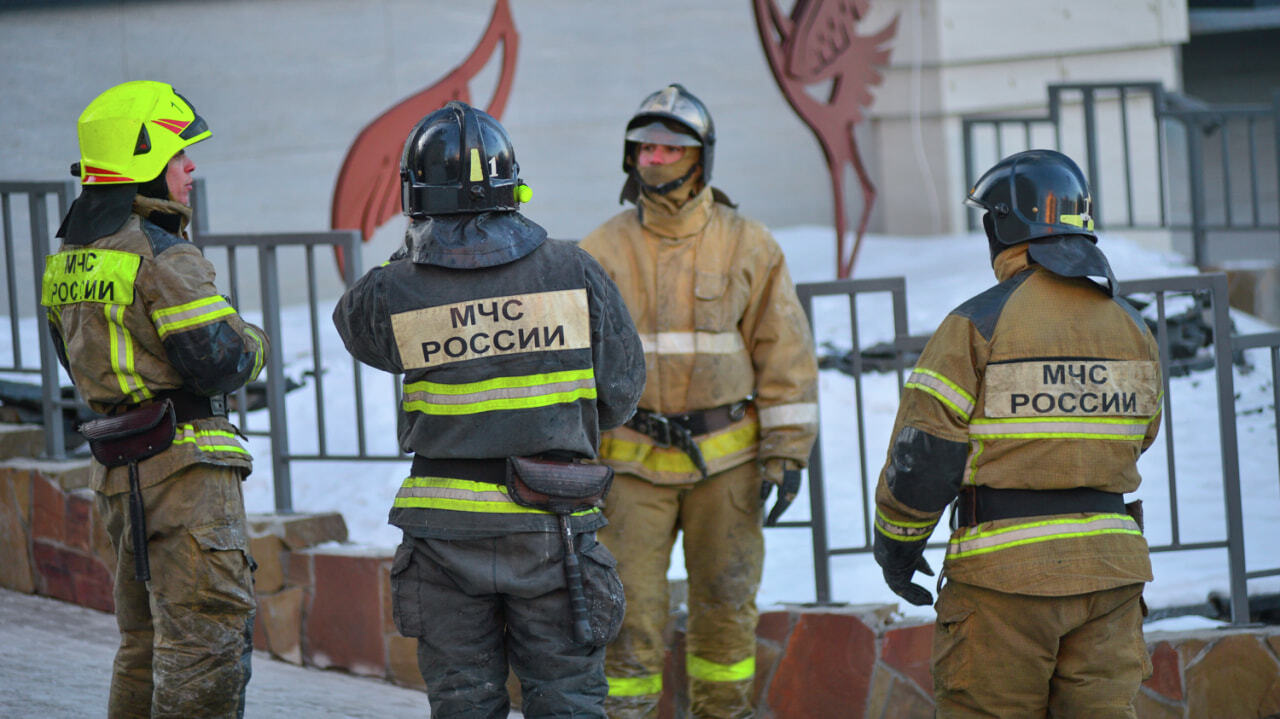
{"type": "Point", "coordinates": [1156, 160]}
{"type": "Point", "coordinates": [16, 299]}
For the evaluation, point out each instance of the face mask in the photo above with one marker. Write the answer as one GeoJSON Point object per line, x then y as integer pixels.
{"type": "Point", "coordinates": [657, 175]}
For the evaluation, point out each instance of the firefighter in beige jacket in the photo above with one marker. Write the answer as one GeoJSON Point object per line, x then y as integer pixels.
{"type": "Point", "coordinates": [1029, 407]}
{"type": "Point", "coordinates": [136, 321]}
{"type": "Point", "coordinates": [729, 410]}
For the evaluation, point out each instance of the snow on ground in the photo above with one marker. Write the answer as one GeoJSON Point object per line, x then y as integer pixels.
{"type": "Point", "coordinates": [940, 273]}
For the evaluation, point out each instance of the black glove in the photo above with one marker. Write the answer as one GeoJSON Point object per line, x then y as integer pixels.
{"type": "Point", "coordinates": [900, 561]}
{"type": "Point", "coordinates": [788, 488]}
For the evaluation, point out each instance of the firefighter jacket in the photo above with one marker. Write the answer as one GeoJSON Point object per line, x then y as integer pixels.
{"type": "Point", "coordinates": [716, 309]}
{"type": "Point", "coordinates": [135, 313]}
{"type": "Point", "coordinates": [523, 349]}
{"type": "Point", "coordinates": [1042, 382]}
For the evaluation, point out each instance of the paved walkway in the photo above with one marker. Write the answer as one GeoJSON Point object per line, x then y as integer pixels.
{"type": "Point", "coordinates": [55, 663]}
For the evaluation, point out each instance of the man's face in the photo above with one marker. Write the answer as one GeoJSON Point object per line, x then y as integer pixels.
{"type": "Point", "coordinates": [177, 177]}
{"type": "Point", "coordinates": [651, 154]}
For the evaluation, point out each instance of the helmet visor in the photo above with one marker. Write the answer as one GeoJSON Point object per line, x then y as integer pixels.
{"type": "Point", "coordinates": [657, 132]}
{"type": "Point", "coordinates": [197, 128]}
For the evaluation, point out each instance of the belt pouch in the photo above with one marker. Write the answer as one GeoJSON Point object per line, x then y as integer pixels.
{"type": "Point", "coordinates": [560, 487]}
{"type": "Point", "coordinates": [132, 436]}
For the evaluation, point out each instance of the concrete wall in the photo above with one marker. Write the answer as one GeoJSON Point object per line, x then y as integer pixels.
{"type": "Point", "coordinates": [286, 86]}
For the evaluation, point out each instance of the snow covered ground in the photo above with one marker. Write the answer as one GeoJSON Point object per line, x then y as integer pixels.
{"type": "Point", "coordinates": [940, 273]}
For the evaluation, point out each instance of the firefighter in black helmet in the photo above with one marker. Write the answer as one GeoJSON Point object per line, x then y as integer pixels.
{"type": "Point", "coordinates": [516, 351]}
{"type": "Point", "coordinates": [1028, 409]}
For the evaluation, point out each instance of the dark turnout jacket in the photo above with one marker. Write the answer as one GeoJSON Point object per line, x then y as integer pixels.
{"type": "Point", "coordinates": [529, 353]}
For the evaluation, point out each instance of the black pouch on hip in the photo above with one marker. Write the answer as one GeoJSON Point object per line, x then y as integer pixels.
{"type": "Point", "coordinates": [132, 436]}
{"type": "Point", "coordinates": [560, 487]}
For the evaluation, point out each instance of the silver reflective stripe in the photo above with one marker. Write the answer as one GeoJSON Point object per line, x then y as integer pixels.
{"type": "Point", "coordinates": [973, 542]}
{"type": "Point", "coordinates": [687, 343]}
{"type": "Point", "coordinates": [1059, 428]}
{"type": "Point", "coordinates": [948, 392]}
{"type": "Point", "coordinates": [789, 414]}
{"type": "Point", "coordinates": [499, 393]}
{"type": "Point", "coordinates": [904, 531]}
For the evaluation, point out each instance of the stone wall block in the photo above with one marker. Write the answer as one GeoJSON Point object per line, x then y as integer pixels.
{"type": "Point", "coordinates": [1235, 677]}
{"type": "Point", "coordinates": [907, 701]}
{"type": "Point", "coordinates": [79, 519]}
{"type": "Point", "coordinates": [299, 569]}
{"type": "Point", "coordinates": [388, 614]}
{"type": "Point", "coordinates": [267, 550]}
{"type": "Point", "coordinates": [402, 662]}
{"type": "Point", "coordinates": [278, 625]}
{"type": "Point", "coordinates": [768, 654]}
{"type": "Point", "coordinates": [1147, 705]}
{"type": "Point", "coordinates": [49, 512]}
{"type": "Point", "coordinates": [1166, 672]}
{"type": "Point", "coordinates": [344, 623]}
{"type": "Point", "coordinates": [300, 531]}
{"type": "Point", "coordinates": [56, 568]}
{"type": "Point", "coordinates": [909, 650]}
{"type": "Point", "coordinates": [17, 571]}
{"type": "Point", "coordinates": [827, 662]}
{"type": "Point", "coordinates": [94, 584]}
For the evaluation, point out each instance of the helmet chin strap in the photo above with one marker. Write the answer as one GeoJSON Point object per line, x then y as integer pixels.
{"type": "Point", "coordinates": [668, 186]}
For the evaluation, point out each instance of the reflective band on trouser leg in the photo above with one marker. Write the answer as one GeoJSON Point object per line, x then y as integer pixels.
{"type": "Point", "coordinates": [1106, 428]}
{"type": "Point", "coordinates": [121, 348]}
{"type": "Point", "coordinates": [635, 686]}
{"type": "Point", "coordinates": [500, 393]}
{"type": "Point", "coordinates": [972, 542]}
{"type": "Point", "coordinates": [191, 314]}
{"type": "Point", "coordinates": [462, 495]}
{"type": "Point", "coordinates": [210, 440]}
{"type": "Point", "coordinates": [946, 391]}
{"type": "Point", "coordinates": [709, 671]}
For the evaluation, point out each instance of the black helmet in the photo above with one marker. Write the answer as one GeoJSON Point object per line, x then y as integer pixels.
{"type": "Point", "coordinates": [1034, 194]}
{"type": "Point", "coordinates": [671, 116]}
{"type": "Point", "coordinates": [458, 159]}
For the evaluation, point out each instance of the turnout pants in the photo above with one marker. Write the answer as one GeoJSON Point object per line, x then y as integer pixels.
{"type": "Point", "coordinates": [1013, 655]}
{"type": "Point", "coordinates": [477, 606]}
{"type": "Point", "coordinates": [186, 636]}
{"type": "Point", "coordinates": [724, 554]}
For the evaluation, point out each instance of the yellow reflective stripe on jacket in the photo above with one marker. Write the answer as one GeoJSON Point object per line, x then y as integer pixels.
{"type": "Point", "coordinates": [635, 686]}
{"type": "Point", "coordinates": [500, 393]}
{"type": "Point", "coordinates": [687, 343]}
{"type": "Point", "coordinates": [1061, 428]}
{"type": "Point", "coordinates": [462, 495]}
{"type": "Point", "coordinates": [120, 345]}
{"type": "Point", "coordinates": [946, 391]}
{"type": "Point", "coordinates": [783, 415]}
{"type": "Point", "coordinates": [259, 354]}
{"type": "Point", "coordinates": [671, 459]}
{"type": "Point", "coordinates": [709, 671]}
{"type": "Point", "coordinates": [89, 275]}
{"type": "Point", "coordinates": [208, 440]}
{"type": "Point", "coordinates": [973, 542]}
{"type": "Point", "coordinates": [903, 531]}
{"type": "Point", "coordinates": [191, 314]}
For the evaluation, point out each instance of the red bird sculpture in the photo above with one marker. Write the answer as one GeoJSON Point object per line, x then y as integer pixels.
{"type": "Point", "coordinates": [367, 191]}
{"type": "Point", "coordinates": [818, 43]}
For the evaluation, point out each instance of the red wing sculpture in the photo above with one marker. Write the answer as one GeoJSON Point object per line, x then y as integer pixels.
{"type": "Point", "coordinates": [367, 192]}
{"type": "Point", "coordinates": [818, 43]}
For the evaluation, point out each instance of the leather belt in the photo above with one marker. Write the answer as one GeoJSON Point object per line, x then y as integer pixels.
{"type": "Point", "coordinates": [489, 471]}
{"type": "Point", "coordinates": [984, 504]}
{"type": "Point", "coordinates": [187, 406]}
{"type": "Point", "coordinates": [696, 422]}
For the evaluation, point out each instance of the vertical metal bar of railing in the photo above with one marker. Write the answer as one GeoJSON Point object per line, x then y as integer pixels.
{"type": "Point", "coordinates": [316, 370]}
{"type": "Point", "coordinates": [1253, 171]}
{"type": "Point", "coordinates": [1230, 449]}
{"type": "Point", "coordinates": [966, 127]}
{"type": "Point", "coordinates": [1091, 151]}
{"type": "Point", "coordinates": [1195, 180]}
{"type": "Point", "coordinates": [11, 280]}
{"type": "Point", "coordinates": [817, 483]}
{"type": "Point", "coordinates": [1161, 143]}
{"type": "Point", "coordinates": [270, 286]}
{"type": "Point", "coordinates": [50, 385]}
{"type": "Point", "coordinates": [1128, 163]}
{"type": "Point", "coordinates": [999, 141]}
{"type": "Point", "coordinates": [1224, 131]}
{"type": "Point", "coordinates": [1026, 134]}
{"type": "Point", "coordinates": [1162, 342]}
{"type": "Point", "coordinates": [857, 408]}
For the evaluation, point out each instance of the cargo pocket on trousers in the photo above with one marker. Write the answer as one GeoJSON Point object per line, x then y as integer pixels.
{"type": "Point", "coordinates": [951, 646]}
{"type": "Point", "coordinates": [405, 610]}
{"type": "Point", "coordinates": [606, 602]}
{"type": "Point", "coordinates": [224, 564]}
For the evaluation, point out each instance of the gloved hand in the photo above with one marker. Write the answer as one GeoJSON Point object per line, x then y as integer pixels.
{"type": "Point", "coordinates": [785, 473]}
{"type": "Point", "coordinates": [900, 561]}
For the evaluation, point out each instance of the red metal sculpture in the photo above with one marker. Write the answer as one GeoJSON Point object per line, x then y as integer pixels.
{"type": "Point", "coordinates": [367, 192]}
{"type": "Point", "coordinates": [818, 43]}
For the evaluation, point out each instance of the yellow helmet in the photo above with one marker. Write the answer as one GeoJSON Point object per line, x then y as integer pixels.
{"type": "Point", "coordinates": [130, 132]}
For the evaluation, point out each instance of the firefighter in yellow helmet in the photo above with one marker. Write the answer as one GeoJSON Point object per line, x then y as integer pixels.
{"type": "Point", "coordinates": [153, 347]}
{"type": "Point", "coordinates": [728, 413]}
{"type": "Point", "coordinates": [1029, 407]}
